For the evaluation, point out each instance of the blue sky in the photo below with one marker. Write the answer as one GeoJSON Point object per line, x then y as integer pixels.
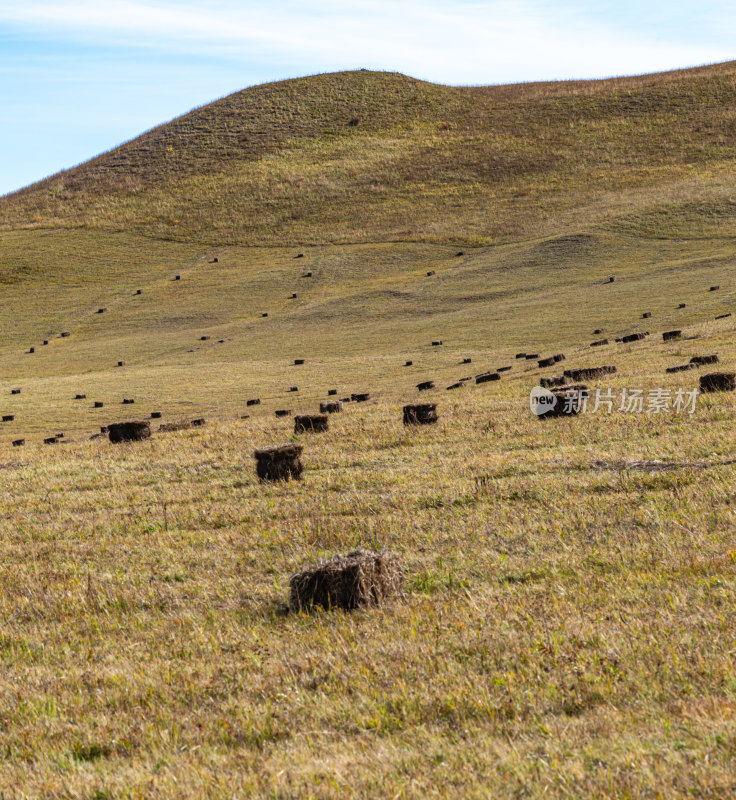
{"type": "Point", "coordinates": [78, 77]}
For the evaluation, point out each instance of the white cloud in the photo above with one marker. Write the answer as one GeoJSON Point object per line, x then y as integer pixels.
{"type": "Point", "coordinates": [464, 42]}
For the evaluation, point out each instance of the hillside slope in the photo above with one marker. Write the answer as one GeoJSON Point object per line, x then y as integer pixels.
{"type": "Point", "coordinates": [365, 156]}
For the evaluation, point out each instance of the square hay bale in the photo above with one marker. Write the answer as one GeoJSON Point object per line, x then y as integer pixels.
{"type": "Point", "coordinates": [531, 356]}
{"type": "Point", "coordinates": [8, 417]}
{"type": "Point", "coordinates": [714, 288]}
{"type": "Point", "coordinates": [486, 377]}
{"type": "Point", "coordinates": [646, 315]}
{"type": "Point", "coordinates": [723, 316]}
{"type": "Point", "coordinates": [254, 401]}
{"type": "Point", "coordinates": [420, 414]}
{"type": "Point", "coordinates": [680, 368]}
{"type": "Point", "coordinates": [546, 362]}
{"type": "Point", "coordinates": [682, 305]}
{"type": "Point", "coordinates": [700, 361]}
{"type": "Point", "coordinates": [360, 397]}
{"type": "Point", "coordinates": [128, 431]}
{"type": "Point", "coordinates": [436, 342]}
{"type": "Point", "coordinates": [331, 392]}
{"type": "Point", "coordinates": [361, 578]}
{"type": "Point", "coordinates": [310, 423]}
{"type": "Point", "coordinates": [555, 380]}
{"type": "Point", "coordinates": [18, 442]}
{"type": "Point", "coordinates": [15, 391]}
{"type": "Point", "coordinates": [408, 363]}
{"type": "Point", "coordinates": [520, 355]}
{"type": "Point", "coordinates": [718, 382]}
{"type": "Point", "coordinates": [283, 412]}
{"type": "Point", "coordinates": [425, 386]}
{"type": "Point", "coordinates": [330, 406]}
{"type": "Point", "coordinates": [599, 343]}
{"type": "Point", "coordinates": [280, 462]}
{"type": "Point", "coordinates": [668, 336]}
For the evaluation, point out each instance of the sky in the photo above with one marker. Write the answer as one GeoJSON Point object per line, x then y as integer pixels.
{"type": "Point", "coordinates": [78, 77]}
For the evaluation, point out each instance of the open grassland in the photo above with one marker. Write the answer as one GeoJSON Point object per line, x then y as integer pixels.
{"type": "Point", "coordinates": [568, 626]}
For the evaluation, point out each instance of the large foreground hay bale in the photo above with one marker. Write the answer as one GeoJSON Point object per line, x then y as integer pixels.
{"type": "Point", "coordinates": [420, 414]}
{"type": "Point", "coordinates": [310, 423]}
{"type": "Point", "coordinates": [718, 382]}
{"type": "Point", "coordinates": [128, 431]}
{"type": "Point", "coordinates": [360, 578]}
{"type": "Point", "coordinates": [279, 462]}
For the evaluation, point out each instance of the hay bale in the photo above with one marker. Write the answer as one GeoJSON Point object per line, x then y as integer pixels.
{"type": "Point", "coordinates": [588, 373]}
{"type": "Point", "coordinates": [283, 412]}
{"type": "Point", "coordinates": [718, 382]}
{"type": "Point", "coordinates": [408, 363]}
{"type": "Point", "coordinates": [293, 388]}
{"type": "Point", "coordinates": [467, 361]}
{"type": "Point", "coordinates": [430, 273]}
{"type": "Point", "coordinates": [723, 316]}
{"type": "Point", "coordinates": [254, 401]}
{"type": "Point", "coordinates": [8, 417]}
{"type": "Point", "coordinates": [121, 363]}
{"type": "Point", "coordinates": [700, 361]}
{"type": "Point", "coordinates": [156, 415]}
{"type": "Point", "coordinates": [354, 121]}
{"type": "Point", "coordinates": [597, 331]}
{"type": "Point", "coordinates": [18, 442]}
{"type": "Point", "coordinates": [520, 355]}
{"type": "Point", "coordinates": [204, 338]}
{"type": "Point", "coordinates": [569, 402]}
{"type": "Point", "coordinates": [546, 362]}
{"type": "Point", "coordinates": [31, 349]}
{"type": "Point", "coordinates": [128, 431]}
{"type": "Point", "coordinates": [714, 288]}
{"type": "Point", "coordinates": [103, 428]}
{"type": "Point", "coordinates": [65, 334]}
{"type": "Point", "coordinates": [45, 341]}
{"type": "Point", "coordinates": [458, 385]}
{"type": "Point", "coordinates": [311, 423]}
{"type": "Point", "coordinates": [531, 356]}
{"type": "Point", "coordinates": [361, 397]}
{"type": "Point", "coordinates": [298, 361]}
{"type": "Point", "coordinates": [425, 386]}
{"type": "Point", "coordinates": [299, 255]}
{"type": "Point", "coordinates": [633, 337]}
{"type": "Point", "coordinates": [559, 356]}
{"type": "Point", "coordinates": [486, 377]}
{"type": "Point", "coordinates": [128, 401]}
{"type": "Point", "coordinates": [502, 369]}
{"type": "Point", "coordinates": [330, 407]}
{"type": "Point", "coordinates": [361, 578]}
{"type": "Point", "coordinates": [139, 291]}
{"type": "Point", "coordinates": [668, 336]}
{"type": "Point", "coordinates": [599, 343]}
{"type": "Point", "coordinates": [459, 253]}
{"type": "Point", "coordinates": [264, 314]}
{"type": "Point", "coordinates": [331, 392]}
{"type": "Point", "coordinates": [215, 260]}
{"type": "Point", "coordinates": [50, 440]}
{"type": "Point", "coordinates": [680, 368]}
{"type": "Point", "coordinates": [555, 380]}
{"type": "Point", "coordinates": [436, 342]}
{"type": "Point", "coordinates": [101, 310]}
{"type": "Point", "coordinates": [307, 275]}
{"type": "Point", "coordinates": [682, 305]}
{"type": "Point", "coordinates": [293, 295]}
{"type": "Point", "coordinates": [98, 404]}
{"type": "Point", "coordinates": [177, 277]}
{"type": "Point", "coordinates": [182, 425]}
{"type": "Point", "coordinates": [279, 462]}
{"type": "Point", "coordinates": [15, 391]}
{"type": "Point", "coordinates": [611, 279]}
{"type": "Point", "coordinates": [646, 315]}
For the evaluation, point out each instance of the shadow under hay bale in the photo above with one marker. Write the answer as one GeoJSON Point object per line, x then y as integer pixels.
{"type": "Point", "coordinates": [723, 316]}
{"type": "Point", "coordinates": [279, 462]}
{"type": "Point", "coordinates": [588, 373]}
{"type": "Point", "coordinates": [254, 401]}
{"type": "Point", "coordinates": [361, 397]}
{"type": "Point", "coordinates": [668, 336]}
{"type": "Point", "coordinates": [680, 368]}
{"type": "Point", "coordinates": [330, 406]}
{"type": "Point", "coordinates": [128, 431]}
{"type": "Point", "coordinates": [18, 442]}
{"type": "Point", "coordinates": [425, 386]}
{"type": "Point", "coordinates": [700, 361]}
{"type": "Point", "coordinates": [546, 362]}
{"type": "Point", "coordinates": [346, 400]}
{"type": "Point", "coordinates": [311, 423]}
{"type": "Point", "coordinates": [599, 343]}
{"type": "Point", "coordinates": [156, 415]}
{"type": "Point", "coordinates": [361, 578]}
{"type": "Point", "coordinates": [718, 382]}
{"type": "Point", "coordinates": [487, 377]}
{"type": "Point", "coordinates": [331, 392]}
{"type": "Point", "coordinates": [282, 412]}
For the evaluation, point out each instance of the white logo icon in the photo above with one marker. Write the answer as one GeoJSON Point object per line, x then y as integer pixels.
{"type": "Point", "coordinates": [541, 401]}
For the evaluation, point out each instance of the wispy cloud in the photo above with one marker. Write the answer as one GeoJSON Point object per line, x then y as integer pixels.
{"type": "Point", "coordinates": [449, 41]}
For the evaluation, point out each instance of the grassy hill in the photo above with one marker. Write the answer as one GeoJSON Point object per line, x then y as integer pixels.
{"type": "Point", "coordinates": [567, 628]}
{"type": "Point", "coordinates": [282, 163]}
